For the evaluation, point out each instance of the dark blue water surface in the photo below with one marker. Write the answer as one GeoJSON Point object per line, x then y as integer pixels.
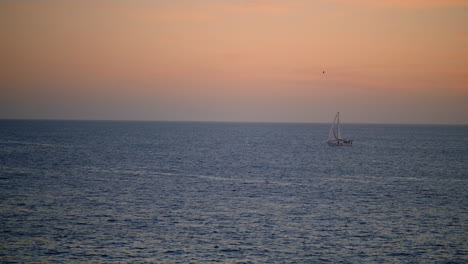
{"type": "Point", "coordinates": [168, 192]}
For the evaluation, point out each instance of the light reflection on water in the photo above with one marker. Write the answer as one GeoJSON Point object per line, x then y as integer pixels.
{"type": "Point", "coordinates": [231, 193]}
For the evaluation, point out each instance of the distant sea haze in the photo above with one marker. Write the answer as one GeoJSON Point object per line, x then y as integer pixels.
{"type": "Point", "coordinates": [195, 192]}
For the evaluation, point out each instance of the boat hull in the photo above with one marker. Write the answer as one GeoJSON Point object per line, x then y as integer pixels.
{"type": "Point", "coordinates": [337, 143]}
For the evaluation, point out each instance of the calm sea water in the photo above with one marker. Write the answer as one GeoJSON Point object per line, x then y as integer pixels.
{"type": "Point", "coordinates": [168, 192]}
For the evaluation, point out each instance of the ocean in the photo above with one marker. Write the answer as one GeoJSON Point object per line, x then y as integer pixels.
{"type": "Point", "coordinates": [195, 192]}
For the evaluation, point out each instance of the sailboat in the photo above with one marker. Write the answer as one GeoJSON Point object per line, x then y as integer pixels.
{"type": "Point", "coordinates": [334, 137]}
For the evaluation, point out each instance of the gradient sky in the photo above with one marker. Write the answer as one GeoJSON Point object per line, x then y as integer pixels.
{"type": "Point", "coordinates": [395, 61]}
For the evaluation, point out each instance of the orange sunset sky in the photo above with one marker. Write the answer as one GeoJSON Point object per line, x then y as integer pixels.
{"type": "Point", "coordinates": [395, 61]}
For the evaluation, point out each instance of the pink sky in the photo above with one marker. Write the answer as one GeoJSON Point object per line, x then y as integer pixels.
{"type": "Point", "coordinates": [389, 61]}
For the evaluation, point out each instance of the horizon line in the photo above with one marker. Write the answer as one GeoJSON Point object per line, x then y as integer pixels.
{"type": "Point", "coordinates": [223, 121]}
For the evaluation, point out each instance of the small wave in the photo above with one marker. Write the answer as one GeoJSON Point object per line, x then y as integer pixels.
{"type": "Point", "coordinates": [14, 142]}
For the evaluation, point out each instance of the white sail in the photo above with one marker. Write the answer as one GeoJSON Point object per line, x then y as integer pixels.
{"type": "Point", "coordinates": [338, 126]}
{"type": "Point", "coordinates": [331, 134]}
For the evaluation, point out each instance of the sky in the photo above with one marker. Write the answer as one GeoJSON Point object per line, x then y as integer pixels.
{"type": "Point", "coordinates": [394, 61]}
